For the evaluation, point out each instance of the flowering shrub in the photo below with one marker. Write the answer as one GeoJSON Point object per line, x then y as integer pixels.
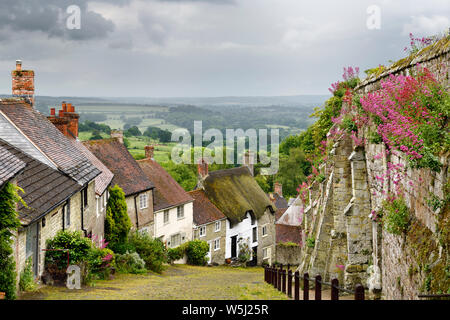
{"type": "Point", "coordinates": [416, 44]}
{"type": "Point", "coordinates": [101, 263]}
{"type": "Point", "coordinates": [395, 215]}
{"type": "Point", "coordinates": [410, 114]}
{"type": "Point", "coordinates": [130, 263]}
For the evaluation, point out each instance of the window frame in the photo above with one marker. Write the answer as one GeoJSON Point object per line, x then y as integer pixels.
{"type": "Point", "coordinates": [200, 231]}
{"type": "Point", "coordinates": [214, 244]}
{"type": "Point", "coordinates": [143, 197]}
{"type": "Point", "coordinates": [164, 216]}
{"type": "Point", "coordinates": [180, 209]}
{"type": "Point", "coordinates": [218, 223]}
{"type": "Point", "coordinates": [264, 231]}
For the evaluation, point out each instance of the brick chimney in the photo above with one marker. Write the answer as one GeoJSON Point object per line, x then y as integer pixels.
{"type": "Point", "coordinates": [149, 152]}
{"type": "Point", "coordinates": [249, 161]}
{"type": "Point", "coordinates": [202, 168]}
{"type": "Point", "coordinates": [117, 134]}
{"type": "Point", "coordinates": [23, 83]}
{"type": "Point", "coordinates": [278, 188]}
{"type": "Point", "coordinates": [66, 121]}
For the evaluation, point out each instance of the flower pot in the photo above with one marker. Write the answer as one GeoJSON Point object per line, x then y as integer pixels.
{"type": "Point", "coordinates": [2, 295]}
{"type": "Point", "coordinates": [228, 261]}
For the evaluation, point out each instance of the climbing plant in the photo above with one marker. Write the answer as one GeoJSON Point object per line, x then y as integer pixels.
{"type": "Point", "coordinates": [9, 222]}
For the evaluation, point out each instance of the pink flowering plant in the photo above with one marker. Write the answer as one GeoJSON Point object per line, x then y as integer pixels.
{"type": "Point", "coordinates": [411, 116]}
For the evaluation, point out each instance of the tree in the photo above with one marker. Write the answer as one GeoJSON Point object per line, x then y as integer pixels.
{"type": "Point", "coordinates": [293, 170]}
{"type": "Point", "coordinates": [117, 221]}
{"type": "Point", "coordinates": [9, 222]}
{"type": "Point", "coordinates": [133, 131]}
{"type": "Point", "coordinates": [182, 174]}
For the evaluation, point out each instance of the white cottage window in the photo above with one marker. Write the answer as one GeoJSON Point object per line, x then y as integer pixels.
{"type": "Point", "coordinates": [180, 212]}
{"type": "Point", "coordinates": [217, 227]}
{"type": "Point", "coordinates": [202, 231]}
{"type": "Point", "coordinates": [143, 201]}
{"type": "Point", "coordinates": [216, 244]}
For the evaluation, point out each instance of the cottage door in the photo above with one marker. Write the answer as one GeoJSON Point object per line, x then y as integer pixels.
{"type": "Point", "coordinates": [208, 256]}
{"type": "Point", "coordinates": [31, 250]}
{"type": "Point", "coordinates": [234, 247]}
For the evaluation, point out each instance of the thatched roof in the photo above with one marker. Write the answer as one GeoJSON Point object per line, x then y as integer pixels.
{"type": "Point", "coordinates": [235, 192]}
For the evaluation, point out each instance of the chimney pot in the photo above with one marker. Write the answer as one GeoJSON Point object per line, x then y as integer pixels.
{"type": "Point", "coordinates": [18, 65]}
{"type": "Point", "coordinates": [249, 161]}
{"type": "Point", "coordinates": [149, 152]}
{"type": "Point", "coordinates": [202, 168]}
{"type": "Point", "coordinates": [278, 188]}
{"type": "Point", "coordinates": [117, 134]}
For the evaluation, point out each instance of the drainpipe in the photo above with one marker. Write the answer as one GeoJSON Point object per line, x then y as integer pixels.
{"type": "Point", "coordinates": [82, 212]}
{"type": "Point", "coordinates": [136, 211]}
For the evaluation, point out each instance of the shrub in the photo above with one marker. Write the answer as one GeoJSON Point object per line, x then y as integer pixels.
{"type": "Point", "coordinates": [348, 124]}
{"type": "Point", "coordinates": [117, 221]}
{"type": "Point", "coordinates": [196, 251]}
{"type": "Point", "coordinates": [101, 263]}
{"type": "Point", "coordinates": [152, 251]}
{"type": "Point", "coordinates": [177, 253]}
{"type": "Point", "coordinates": [130, 263]}
{"type": "Point", "coordinates": [310, 242]}
{"type": "Point", "coordinates": [79, 249]}
{"type": "Point", "coordinates": [9, 222]}
{"type": "Point", "coordinates": [245, 253]}
{"type": "Point", "coordinates": [26, 282]}
{"type": "Point", "coordinates": [395, 216]}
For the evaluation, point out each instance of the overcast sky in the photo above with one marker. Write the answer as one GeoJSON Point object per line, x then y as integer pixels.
{"type": "Point", "coordinates": [173, 48]}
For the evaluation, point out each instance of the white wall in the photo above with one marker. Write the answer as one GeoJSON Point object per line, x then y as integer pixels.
{"type": "Point", "coordinates": [243, 229]}
{"type": "Point", "coordinates": [174, 225]}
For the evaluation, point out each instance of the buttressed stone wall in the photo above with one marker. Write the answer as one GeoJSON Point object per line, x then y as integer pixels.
{"type": "Point", "coordinates": [341, 240]}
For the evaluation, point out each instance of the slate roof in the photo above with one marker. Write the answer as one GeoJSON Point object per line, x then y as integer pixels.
{"type": "Point", "coordinates": [10, 165]}
{"type": "Point", "coordinates": [279, 201]}
{"type": "Point", "coordinates": [49, 140]}
{"type": "Point", "coordinates": [235, 192]}
{"type": "Point", "coordinates": [127, 172]}
{"type": "Point", "coordinates": [44, 188]}
{"type": "Point", "coordinates": [285, 233]}
{"type": "Point", "coordinates": [167, 193]}
{"type": "Point", "coordinates": [103, 180]}
{"type": "Point", "coordinates": [204, 210]}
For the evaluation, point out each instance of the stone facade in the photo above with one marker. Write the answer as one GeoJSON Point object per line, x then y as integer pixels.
{"type": "Point", "coordinates": [145, 218]}
{"type": "Point", "coordinates": [216, 255]}
{"type": "Point", "coordinates": [344, 242]}
{"type": "Point", "coordinates": [288, 254]}
{"type": "Point", "coordinates": [268, 241]}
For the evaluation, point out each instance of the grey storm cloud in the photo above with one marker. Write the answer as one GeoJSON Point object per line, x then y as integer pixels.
{"type": "Point", "coordinates": [207, 1]}
{"type": "Point", "coordinates": [50, 17]}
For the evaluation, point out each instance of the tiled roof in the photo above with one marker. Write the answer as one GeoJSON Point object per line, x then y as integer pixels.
{"type": "Point", "coordinates": [294, 214]}
{"type": "Point", "coordinates": [286, 233]}
{"type": "Point", "coordinates": [10, 165]}
{"type": "Point", "coordinates": [167, 192]}
{"type": "Point", "coordinates": [49, 140]}
{"type": "Point", "coordinates": [204, 210]}
{"type": "Point", "coordinates": [127, 172]}
{"type": "Point", "coordinates": [234, 192]}
{"type": "Point", "coordinates": [103, 180]}
{"type": "Point", "coordinates": [12, 135]}
{"type": "Point", "coordinates": [278, 200]}
{"type": "Point", "coordinates": [279, 213]}
{"type": "Point", "coordinates": [44, 187]}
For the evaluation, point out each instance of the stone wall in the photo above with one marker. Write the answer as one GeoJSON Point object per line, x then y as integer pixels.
{"type": "Point", "coordinates": [288, 254]}
{"type": "Point", "coordinates": [347, 244]}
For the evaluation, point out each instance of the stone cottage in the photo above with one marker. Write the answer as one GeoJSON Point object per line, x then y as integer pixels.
{"type": "Point", "coordinates": [129, 176]}
{"type": "Point", "coordinates": [249, 212]}
{"type": "Point", "coordinates": [209, 225]}
{"type": "Point", "coordinates": [67, 122]}
{"type": "Point", "coordinates": [172, 205]}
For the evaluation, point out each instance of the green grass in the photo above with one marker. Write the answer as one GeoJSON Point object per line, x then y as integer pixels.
{"type": "Point", "coordinates": [175, 283]}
